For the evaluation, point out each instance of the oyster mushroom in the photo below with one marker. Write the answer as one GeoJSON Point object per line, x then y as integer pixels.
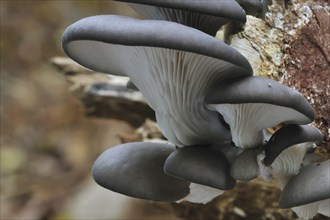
{"type": "Point", "coordinates": [207, 16]}
{"type": "Point", "coordinates": [311, 184]}
{"type": "Point", "coordinates": [287, 166]}
{"type": "Point", "coordinates": [252, 104]}
{"type": "Point", "coordinates": [172, 71]}
{"type": "Point", "coordinates": [136, 169]}
{"type": "Point", "coordinates": [245, 166]}
{"type": "Point", "coordinates": [202, 165]}
{"type": "Point", "coordinates": [287, 136]}
{"type": "Point", "coordinates": [310, 210]}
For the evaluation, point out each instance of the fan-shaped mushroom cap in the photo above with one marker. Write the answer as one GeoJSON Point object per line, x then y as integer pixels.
{"type": "Point", "coordinates": [245, 166]}
{"type": "Point", "coordinates": [228, 9]}
{"type": "Point", "coordinates": [251, 104]}
{"type": "Point", "coordinates": [172, 71]}
{"type": "Point", "coordinates": [106, 31]}
{"type": "Point", "coordinates": [136, 169]}
{"type": "Point", "coordinates": [311, 184]}
{"type": "Point", "coordinates": [201, 165]}
{"type": "Point", "coordinates": [206, 15]}
{"type": "Point", "coordinates": [288, 136]}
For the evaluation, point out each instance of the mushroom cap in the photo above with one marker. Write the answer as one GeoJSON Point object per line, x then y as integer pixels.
{"type": "Point", "coordinates": [228, 149]}
{"type": "Point", "coordinates": [287, 136]}
{"type": "Point", "coordinates": [257, 89]}
{"type": "Point", "coordinates": [199, 164]}
{"type": "Point", "coordinates": [82, 40]}
{"type": "Point", "coordinates": [207, 16]}
{"type": "Point", "coordinates": [245, 166]}
{"type": "Point", "coordinates": [310, 185]}
{"type": "Point", "coordinates": [251, 104]}
{"type": "Point", "coordinates": [136, 169]}
{"type": "Point", "coordinates": [227, 9]}
{"type": "Point", "coordinates": [172, 71]}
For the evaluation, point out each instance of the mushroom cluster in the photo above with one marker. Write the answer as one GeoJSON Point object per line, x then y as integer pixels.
{"type": "Point", "coordinates": [213, 111]}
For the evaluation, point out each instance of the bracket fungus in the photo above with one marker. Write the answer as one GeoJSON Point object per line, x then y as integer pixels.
{"type": "Point", "coordinates": [207, 103]}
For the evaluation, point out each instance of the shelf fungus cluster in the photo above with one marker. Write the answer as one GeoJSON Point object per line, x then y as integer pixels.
{"type": "Point", "coordinates": [214, 112]}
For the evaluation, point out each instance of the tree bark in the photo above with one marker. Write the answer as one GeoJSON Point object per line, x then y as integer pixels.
{"type": "Point", "coordinates": [292, 46]}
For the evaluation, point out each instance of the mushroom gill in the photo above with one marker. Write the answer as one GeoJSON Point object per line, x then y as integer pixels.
{"type": "Point", "coordinates": [250, 105]}
{"type": "Point", "coordinates": [172, 72]}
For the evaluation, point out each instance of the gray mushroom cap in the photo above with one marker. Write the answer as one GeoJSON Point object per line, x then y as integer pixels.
{"type": "Point", "coordinates": [199, 164]}
{"type": "Point", "coordinates": [310, 185]}
{"type": "Point", "coordinates": [207, 15]}
{"type": "Point", "coordinates": [228, 9]}
{"type": "Point", "coordinates": [251, 104]}
{"type": "Point", "coordinates": [136, 169]}
{"type": "Point", "coordinates": [79, 39]}
{"type": "Point", "coordinates": [245, 166]}
{"type": "Point", "coordinates": [228, 149]}
{"type": "Point", "coordinates": [172, 71]}
{"type": "Point", "coordinates": [287, 136]}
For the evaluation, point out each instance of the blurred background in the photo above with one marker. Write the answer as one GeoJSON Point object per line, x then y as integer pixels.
{"type": "Point", "coordinates": [51, 132]}
{"type": "Point", "coordinates": [47, 144]}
